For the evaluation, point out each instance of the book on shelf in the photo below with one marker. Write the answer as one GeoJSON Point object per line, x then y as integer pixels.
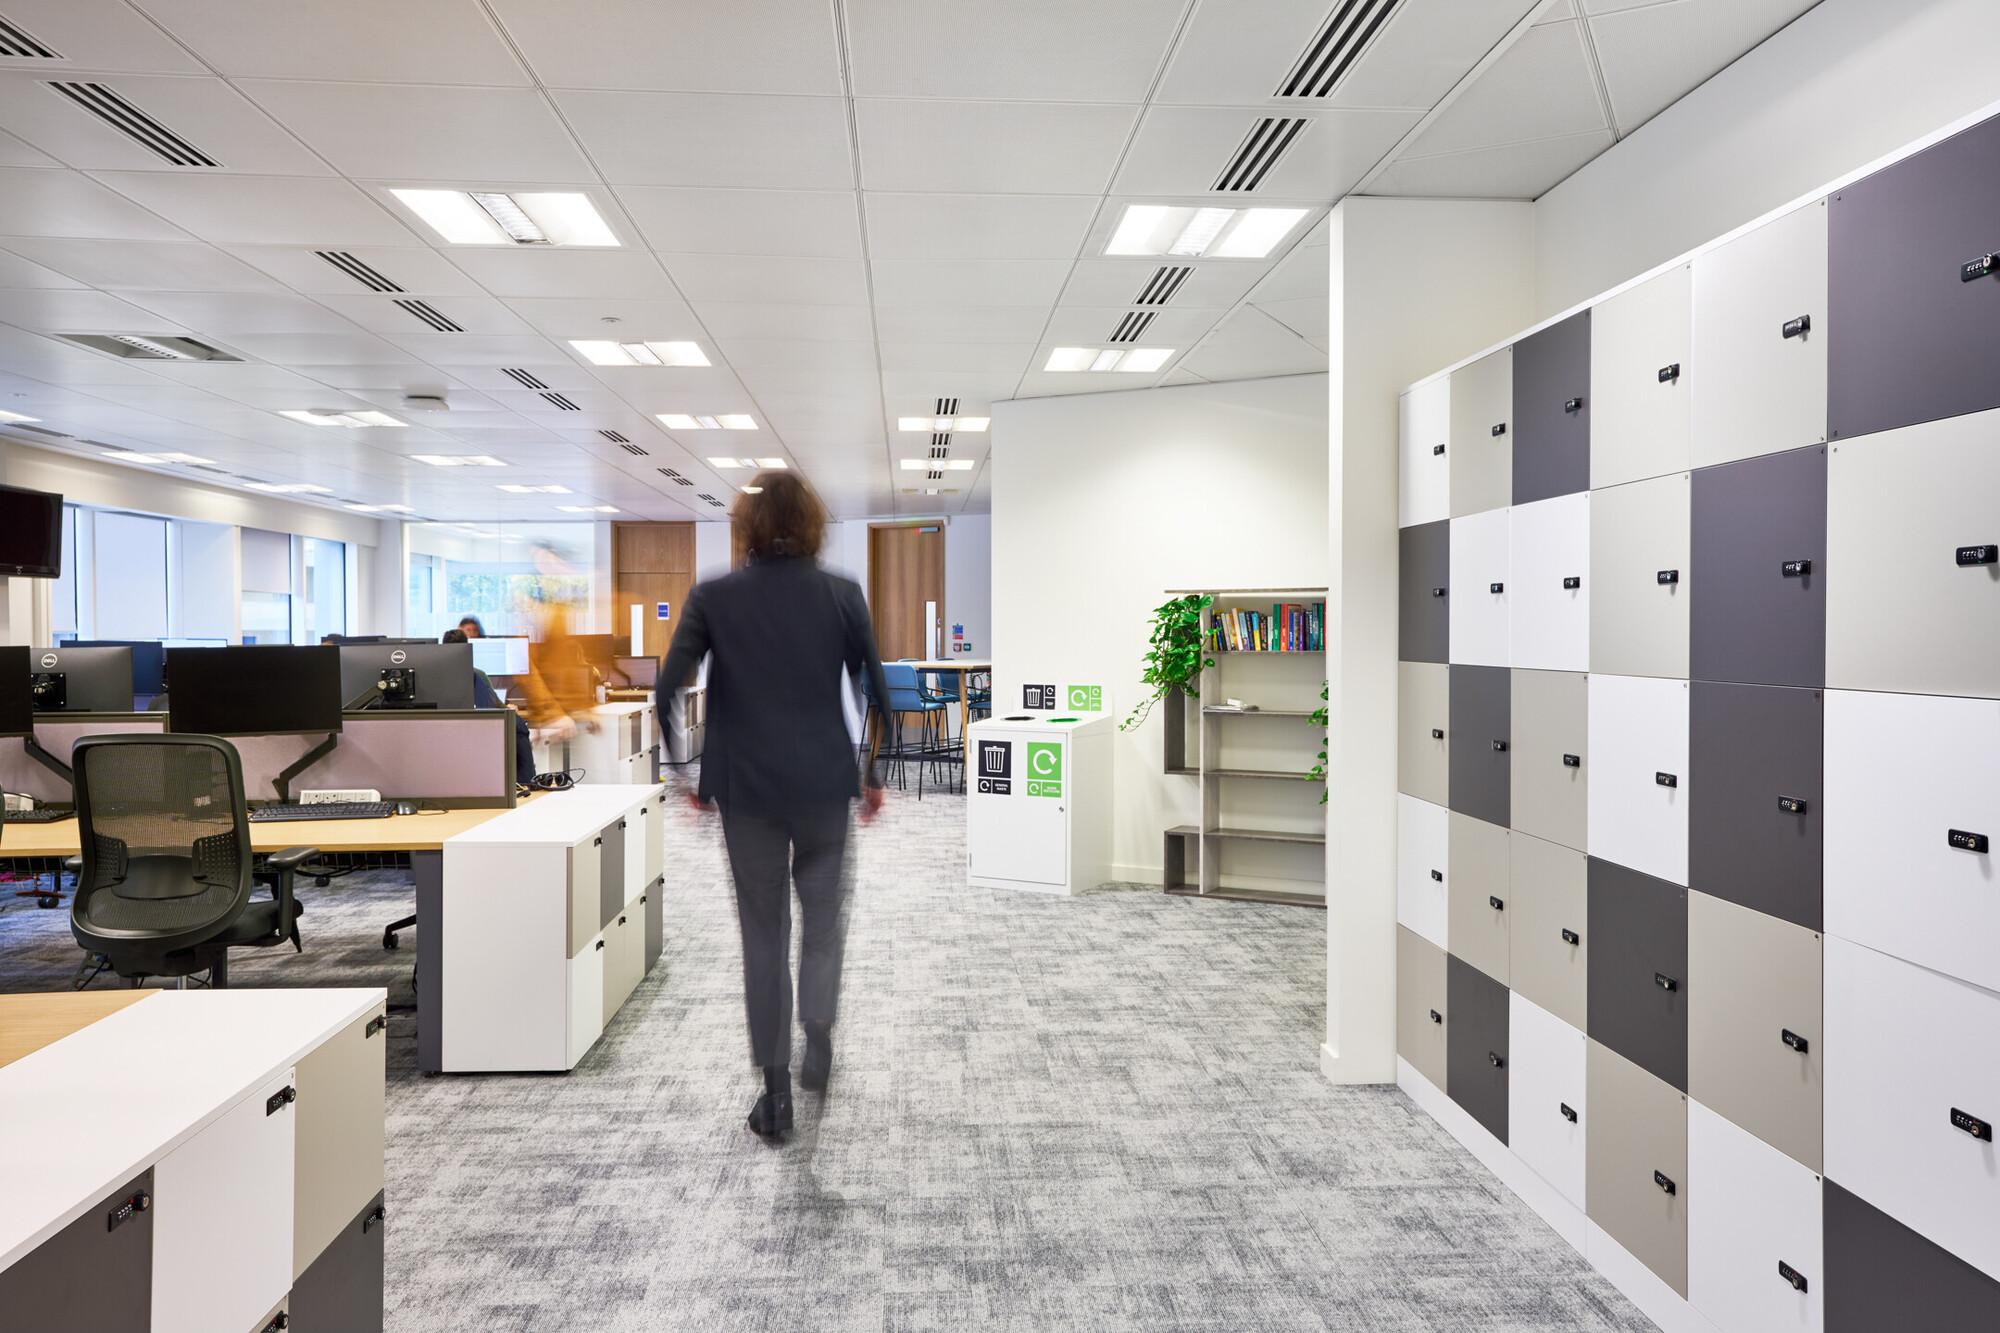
{"type": "Point", "coordinates": [1291, 627]}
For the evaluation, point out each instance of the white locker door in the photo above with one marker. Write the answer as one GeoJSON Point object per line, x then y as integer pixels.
{"type": "Point", "coordinates": [1423, 872]}
{"type": "Point", "coordinates": [1761, 391]}
{"type": "Point", "coordinates": [1425, 496]}
{"type": "Point", "coordinates": [1912, 1075]}
{"type": "Point", "coordinates": [654, 823]}
{"type": "Point", "coordinates": [1641, 380]}
{"type": "Point", "coordinates": [1550, 567]}
{"type": "Point", "coordinates": [1480, 594]}
{"type": "Point", "coordinates": [1912, 793]}
{"type": "Point", "coordinates": [1637, 801]}
{"type": "Point", "coordinates": [586, 998]}
{"type": "Point", "coordinates": [1545, 1083]}
{"type": "Point", "coordinates": [638, 828]}
{"type": "Point", "coordinates": [1753, 1214]}
{"type": "Point", "coordinates": [222, 1222]}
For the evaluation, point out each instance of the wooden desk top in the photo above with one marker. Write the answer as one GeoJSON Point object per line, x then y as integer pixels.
{"type": "Point", "coordinates": [30, 1022]}
{"type": "Point", "coordinates": [952, 664]}
{"type": "Point", "coordinates": [397, 833]}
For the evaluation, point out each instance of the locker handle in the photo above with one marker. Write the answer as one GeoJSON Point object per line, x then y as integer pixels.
{"type": "Point", "coordinates": [1438, 875]}
{"type": "Point", "coordinates": [1437, 592]}
{"type": "Point", "coordinates": [1979, 555]}
{"type": "Point", "coordinates": [1664, 1181]}
{"type": "Point", "coordinates": [1500, 429]}
{"type": "Point", "coordinates": [621, 823]}
{"type": "Point", "coordinates": [1571, 937]}
{"type": "Point", "coordinates": [1798, 328]}
{"type": "Point", "coordinates": [280, 1099]}
{"type": "Point", "coordinates": [1971, 1124]}
{"type": "Point", "coordinates": [621, 920]}
{"type": "Point", "coordinates": [1667, 576]}
{"type": "Point", "coordinates": [1668, 374]}
{"type": "Point", "coordinates": [642, 898]}
{"type": "Point", "coordinates": [1437, 733]}
{"type": "Point", "coordinates": [1792, 805]}
{"type": "Point", "coordinates": [1572, 583]}
{"type": "Point", "coordinates": [600, 944]}
{"type": "Point", "coordinates": [1795, 569]}
{"type": "Point", "coordinates": [1666, 779]}
{"type": "Point", "coordinates": [1665, 982]}
{"type": "Point", "coordinates": [374, 1215]}
{"type": "Point", "coordinates": [1498, 1060]}
{"type": "Point", "coordinates": [1496, 587]}
{"type": "Point", "coordinates": [1568, 1111]}
{"type": "Point", "coordinates": [1437, 451]}
{"type": "Point", "coordinates": [375, 1025]}
{"type": "Point", "coordinates": [597, 842]}
{"type": "Point", "coordinates": [1436, 1017]}
{"type": "Point", "coordinates": [127, 1209]}
{"type": "Point", "coordinates": [1793, 1040]}
{"type": "Point", "coordinates": [1500, 747]}
{"type": "Point", "coordinates": [1972, 270]}
{"type": "Point", "coordinates": [1572, 761]}
{"type": "Point", "coordinates": [1571, 405]}
{"type": "Point", "coordinates": [1967, 842]}
{"type": "Point", "coordinates": [1495, 903]}
{"type": "Point", "coordinates": [1791, 1275]}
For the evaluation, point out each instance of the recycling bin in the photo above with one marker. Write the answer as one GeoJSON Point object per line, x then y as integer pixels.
{"type": "Point", "coordinates": [1038, 803]}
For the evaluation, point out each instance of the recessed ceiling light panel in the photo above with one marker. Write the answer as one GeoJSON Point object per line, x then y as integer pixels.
{"type": "Point", "coordinates": [489, 217]}
{"type": "Point", "coordinates": [604, 352]}
{"type": "Point", "coordinates": [1211, 233]}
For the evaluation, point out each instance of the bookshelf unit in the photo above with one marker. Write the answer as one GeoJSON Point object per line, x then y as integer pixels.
{"type": "Point", "coordinates": [1262, 835]}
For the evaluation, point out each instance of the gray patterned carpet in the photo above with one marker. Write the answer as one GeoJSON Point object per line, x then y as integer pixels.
{"type": "Point", "coordinates": [1063, 1114]}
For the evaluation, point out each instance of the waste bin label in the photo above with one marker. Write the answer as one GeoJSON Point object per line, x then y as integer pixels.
{"type": "Point", "coordinates": [996, 767]}
{"type": "Point", "coordinates": [1086, 698]}
{"type": "Point", "coordinates": [1038, 698]}
{"type": "Point", "coordinates": [1043, 760]}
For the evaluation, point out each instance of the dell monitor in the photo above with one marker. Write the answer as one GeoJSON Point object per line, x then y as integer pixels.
{"type": "Point", "coordinates": [406, 675]}
{"type": "Point", "coordinates": [254, 690]}
{"type": "Point", "coordinates": [31, 524]}
{"type": "Point", "coordinates": [148, 662]}
{"type": "Point", "coordinates": [17, 699]}
{"type": "Point", "coordinates": [81, 680]}
{"type": "Point", "coordinates": [506, 656]}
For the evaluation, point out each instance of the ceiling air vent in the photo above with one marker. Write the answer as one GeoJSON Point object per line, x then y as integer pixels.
{"type": "Point", "coordinates": [41, 430]}
{"type": "Point", "coordinates": [14, 42]}
{"type": "Point", "coordinates": [940, 446]}
{"type": "Point", "coordinates": [1132, 326]}
{"type": "Point", "coordinates": [357, 270]}
{"type": "Point", "coordinates": [1337, 46]}
{"type": "Point", "coordinates": [947, 407]}
{"type": "Point", "coordinates": [711, 499]}
{"type": "Point", "coordinates": [678, 479]}
{"type": "Point", "coordinates": [161, 347]}
{"type": "Point", "coordinates": [526, 379]}
{"type": "Point", "coordinates": [1160, 288]}
{"type": "Point", "coordinates": [633, 450]}
{"type": "Point", "coordinates": [934, 475]}
{"type": "Point", "coordinates": [613, 436]}
{"type": "Point", "coordinates": [134, 124]}
{"type": "Point", "coordinates": [1268, 141]}
{"type": "Point", "coordinates": [562, 402]}
{"type": "Point", "coordinates": [430, 315]}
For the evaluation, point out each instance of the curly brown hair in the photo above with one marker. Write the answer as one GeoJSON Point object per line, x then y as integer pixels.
{"type": "Point", "coordinates": [778, 514]}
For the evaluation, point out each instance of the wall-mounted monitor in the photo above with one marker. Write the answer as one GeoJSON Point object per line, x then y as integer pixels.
{"type": "Point", "coordinates": [30, 533]}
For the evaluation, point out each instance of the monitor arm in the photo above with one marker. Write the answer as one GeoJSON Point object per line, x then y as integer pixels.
{"type": "Point", "coordinates": [283, 782]}
{"type": "Point", "coordinates": [56, 766]}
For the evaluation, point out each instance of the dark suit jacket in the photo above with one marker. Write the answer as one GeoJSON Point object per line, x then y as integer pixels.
{"type": "Point", "coordinates": [779, 631]}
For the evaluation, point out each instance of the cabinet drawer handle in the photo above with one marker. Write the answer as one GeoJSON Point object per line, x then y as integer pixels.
{"type": "Point", "coordinates": [127, 1209]}
{"type": "Point", "coordinates": [1571, 937]}
{"type": "Point", "coordinates": [1572, 405]}
{"type": "Point", "coordinates": [1572, 761]}
{"type": "Point", "coordinates": [1572, 583]}
{"type": "Point", "coordinates": [1664, 1181]}
{"type": "Point", "coordinates": [1798, 328]}
{"type": "Point", "coordinates": [1437, 733]}
{"type": "Point", "coordinates": [1500, 429]}
{"type": "Point", "coordinates": [1979, 555]}
{"type": "Point", "coordinates": [1499, 1061]}
{"type": "Point", "coordinates": [1792, 1275]}
{"type": "Point", "coordinates": [600, 944]}
{"type": "Point", "coordinates": [375, 1215]}
{"type": "Point", "coordinates": [1665, 982]}
{"type": "Point", "coordinates": [1437, 451]}
{"type": "Point", "coordinates": [1967, 842]}
{"type": "Point", "coordinates": [1667, 576]}
{"type": "Point", "coordinates": [1971, 1124]}
{"type": "Point", "coordinates": [1666, 779]}
{"type": "Point", "coordinates": [1436, 1017]}
{"type": "Point", "coordinates": [1495, 903]}
{"type": "Point", "coordinates": [1438, 875]}
{"type": "Point", "coordinates": [280, 1099]}
{"type": "Point", "coordinates": [1972, 270]}
{"type": "Point", "coordinates": [1668, 374]}
{"type": "Point", "coordinates": [1794, 1040]}
{"type": "Point", "coordinates": [1568, 1111]}
{"type": "Point", "coordinates": [1500, 747]}
{"type": "Point", "coordinates": [1792, 805]}
{"type": "Point", "coordinates": [375, 1025]}
{"type": "Point", "coordinates": [1437, 592]}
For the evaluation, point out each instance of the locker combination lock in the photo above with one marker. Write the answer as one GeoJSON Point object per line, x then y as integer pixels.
{"type": "Point", "coordinates": [1791, 1275]}
{"type": "Point", "coordinates": [1496, 587]}
{"type": "Point", "coordinates": [1498, 1060]}
{"type": "Point", "coordinates": [1792, 805]}
{"type": "Point", "coordinates": [1666, 780]}
{"type": "Point", "coordinates": [1573, 405]}
{"type": "Point", "coordinates": [1979, 555]}
{"type": "Point", "coordinates": [1972, 1125]}
{"type": "Point", "coordinates": [1967, 842]}
{"type": "Point", "coordinates": [1972, 270]}
{"type": "Point", "coordinates": [127, 1209]}
{"type": "Point", "coordinates": [1436, 1017]}
{"type": "Point", "coordinates": [1437, 451]}
{"type": "Point", "coordinates": [1572, 583]}
{"type": "Point", "coordinates": [1495, 903]}
{"type": "Point", "coordinates": [279, 1322]}
{"type": "Point", "coordinates": [1500, 429]}
{"type": "Point", "coordinates": [1572, 761]}
{"type": "Point", "coordinates": [1665, 982]}
{"type": "Point", "coordinates": [1571, 937]}
{"type": "Point", "coordinates": [1568, 1111]}
{"type": "Point", "coordinates": [1437, 733]}
{"type": "Point", "coordinates": [374, 1218]}
{"type": "Point", "coordinates": [1664, 1181]}
{"type": "Point", "coordinates": [1438, 875]}
{"type": "Point", "coordinates": [375, 1025]}
{"type": "Point", "coordinates": [1667, 576]}
{"type": "Point", "coordinates": [1437, 592]}
{"type": "Point", "coordinates": [1795, 569]}
{"type": "Point", "coordinates": [1798, 328]}
{"type": "Point", "coordinates": [280, 1099]}
{"type": "Point", "coordinates": [1793, 1040]}
{"type": "Point", "coordinates": [1500, 747]}
{"type": "Point", "coordinates": [1668, 374]}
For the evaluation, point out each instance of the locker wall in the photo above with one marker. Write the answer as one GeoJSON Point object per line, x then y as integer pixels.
{"type": "Point", "coordinates": [1639, 779]}
{"type": "Point", "coordinates": [1423, 741]}
{"type": "Point", "coordinates": [1481, 731]}
{"type": "Point", "coordinates": [1549, 770]}
{"type": "Point", "coordinates": [1476, 1044]}
{"type": "Point", "coordinates": [1482, 434]}
{"type": "Point", "coordinates": [1642, 376]}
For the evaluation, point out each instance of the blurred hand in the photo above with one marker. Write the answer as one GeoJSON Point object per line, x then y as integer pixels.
{"type": "Point", "coordinates": [871, 803]}
{"type": "Point", "coordinates": [561, 729]}
{"type": "Point", "coordinates": [695, 803]}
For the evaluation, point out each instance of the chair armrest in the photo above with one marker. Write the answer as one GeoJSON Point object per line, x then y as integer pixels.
{"type": "Point", "coordinates": [73, 864]}
{"type": "Point", "coordinates": [291, 858]}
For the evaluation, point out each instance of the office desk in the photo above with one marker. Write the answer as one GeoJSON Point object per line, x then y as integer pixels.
{"type": "Point", "coordinates": [961, 668]}
{"type": "Point", "coordinates": [256, 1202]}
{"type": "Point", "coordinates": [397, 833]}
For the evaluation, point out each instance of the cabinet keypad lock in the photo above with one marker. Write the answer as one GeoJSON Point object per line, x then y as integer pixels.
{"type": "Point", "coordinates": [1665, 982]}
{"type": "Point", "coordinates": [1500, 429]}
{"type": "Point", "coordinates": [1668, 374]}
{"type": "Point", "coordinates": [1793, 1040]}
{"type": "Point", "coordinates": [1979, 555]}
{"type": "Point", "coordinates": [1798, 328]}
{"type": "Point", "coordinates": [1495, 903]}
{"type": "Point", "coordinates": [1795, 569]}
{"type": "Point", "coordinates": [1499, 747]}
{"type": "Point", "coordinates": [1971, 1124]}
{"type": "Point", "coordinates": [1667, 576]}
{"type": "Point", "coordinates": [1972, 270]}
{"type": "Point", "coordinates": [127, 1209]}
{"type": "Point", "coordinates": [1572, 761]}
{"type": "Point", "coordinates": [1437, 733]}
{"type": "Point", "coordinates": [374, 1219]}
{"type": "Point", "coordinates": [1666, 780]}
{"type": "Point", "coordinates": [376, 1024]}
{"type": "Point", "coordinates": [1571, 937]}
{"type": "Point", "coordinates": [1791, 1275]}
{"type": "Point", "coordinates": [1497, 1060]}
{"type": "Point", "coordinates": [1792, 805]}
{"type": "Point", "coordinates": [1967, 842]}
{"type": "Point", "coordinates": [1436, 1017]}
{"type": "Point", "coordinates": [1568, 1111]}
{"type": "Point", "coordinates": [1437, 451]}
{"type": "Point", "coordinates": [1438, 875]}
{"type": "Point", "coordinates": [1664, 1181]}
{"type": "Point", "coordinates": [1496, 587]}
{"type": "Point", "coordinates": [1437, 592]}
{"type": "Point", "coordinates": [280, 1099]}
{"type": "Point", "coordinates": [1572, 584]}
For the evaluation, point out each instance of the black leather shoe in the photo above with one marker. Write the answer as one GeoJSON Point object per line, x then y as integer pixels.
{"type": "Point", "coordinates": [771, 1117]}
{"type": "Point", "coordinates": [819, 1058]}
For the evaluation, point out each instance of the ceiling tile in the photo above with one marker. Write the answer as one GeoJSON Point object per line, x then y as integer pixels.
{"type": "Point", "coordinates": [638, 320]}
{"type": "Point", "coordinates": [1000, 147]}
{"type": "Point", "coordinates": [474, 314]}
{"type": "Point", "coordinates": [820, 223]}
{"type": "Point", "coordinates": [416, 271]}
{"type": "Point", "coordinates": [930, 282]}
{"type": "Point", "coordinates": [1304, 273]}
{"type": "Point", "coordinates": [438, 41]}
{"type": "Point", "coordinates": [769, 278]}
{"type": "Point", "coordinates": [1184, 150]}
{"type": "Point", "coordinates": [713, 139]}
{"type": "Point", "coordinates": [1652, 56]}
{"type": "Point", "coordinates": [471, 349]}
{"type": "Point", "coordinates": [1426, 49]}
{"type": "Point", "coordinates": [1237, 52]}
{"type": "Point", "coordinates": [544, 271]}
{"type": "Point", "coordinates": [974, 392]}
{"type": "Point", "coordinates": [14, 153]}
{"type": "Point", "coordinates": [209, 114]}
{"type": "Point", "coordinates": [1213, 285]}
{"type": "Point", "coordinates": [18, 270]}
{"type": "Point", "coordinates": [1053, 50]}
{"type": "Point", "coordinates": [794, 354]}
{"type": "Point", "coordinates": [970, 324]}
{"type": "Point", "coordinates": [977, 226]}
{"type": "Point", "coordinates": [317, 349]}
{"type": "Point", "coordinates": [1541, 88]}
{"type": "Point", "coordinates": [953, 358]}
{"type": "Point", "coordinates": [225, 314]}
{"type": "Point", "coordinates": [63, 203]}
{"type": "Point", "coordinates": [67, 310]}
{"type": "Point", "coordinates": [426, 134]}
{"type": "Point", "coordinates": [1078, 326]}
{"type": "Point", "coordinates": [1516, 171]}
{"type": "Point", "coordinates": [143, 266]}
{"type": "Point", "coordinates": [774, 46]}
{"type": "Point", "coordinates": [101, 35]}
{"type": "Point", "coordinates": [1308, 317]}
{"type": "Point", "coordinates": [727, 319]}
{"type": "Point", "coordinates": [262, 210]}
{"type": "Point", "coordinates": [1253, 360]}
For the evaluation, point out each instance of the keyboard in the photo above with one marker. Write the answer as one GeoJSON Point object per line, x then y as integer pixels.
{"type": "Point", "coordinates": [265, 814]}
{"type": "Point", "coordinates": [41, 816]}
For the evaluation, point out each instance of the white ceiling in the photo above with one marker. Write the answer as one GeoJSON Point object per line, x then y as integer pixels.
{"type": "Point", "coordinates": [856, 207]}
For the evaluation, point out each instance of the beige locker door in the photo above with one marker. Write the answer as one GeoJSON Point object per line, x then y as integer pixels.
{"type": "Point", "coordinates": [1642, 378]}
{"type": "Point", "coordinates": [338, 1140]}
{"type": "Point", "coordinates": [1549, 755]}
{"type": "Point", "coordinates": [1548, 941]}
{"type": "Point", "coordinates": [1420, 1005]}
{"type": "Point", "coordinates": [1478, 894]}
{"type": "Point", "coordinates": [1641, 542]}
{"type": "Point", "coordinates": [1482, 434]}
{"type": "Point", "coordinates": [1635, 1163]}
{"type": "Point", "coordinates": [1423, 739]}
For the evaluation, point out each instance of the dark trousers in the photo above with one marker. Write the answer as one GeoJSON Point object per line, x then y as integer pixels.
{"type": "Point", "coordinates": [808, 847]}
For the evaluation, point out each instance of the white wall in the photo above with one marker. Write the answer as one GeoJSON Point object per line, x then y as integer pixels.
{"type": "Point", "coordinates": [208, 579]}
{"type": "Point", "coordinates": [1849, 81]}
{"type": "Point", "coordinates": [1103, 501]}
{"type": "Point", "coordinates": [711, 550]}
{"type": "Point", "coordinates": [968, 581]}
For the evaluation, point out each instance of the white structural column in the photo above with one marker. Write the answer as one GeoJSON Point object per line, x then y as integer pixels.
{"type": "Point", "coordinates": [1415, 284]}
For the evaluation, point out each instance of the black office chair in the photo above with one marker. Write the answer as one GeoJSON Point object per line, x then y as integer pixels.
{"type": "Point", "coordinates": [163, 885]}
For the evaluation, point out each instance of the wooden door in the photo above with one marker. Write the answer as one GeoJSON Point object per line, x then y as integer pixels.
{"type": "Point", "coordinates": [906, 588]}
{"type": "Point", "coordinates": [651, 563]}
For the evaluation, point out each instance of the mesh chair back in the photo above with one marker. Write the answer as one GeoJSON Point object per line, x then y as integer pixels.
{"type": "Point", "coordinates": [166, 843]}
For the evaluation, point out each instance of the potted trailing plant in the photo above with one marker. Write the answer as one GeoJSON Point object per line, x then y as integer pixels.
{"type": "Point", "coordinates": [1174, 660]}
{"type": "Point", "coordinates": [1319, 720]}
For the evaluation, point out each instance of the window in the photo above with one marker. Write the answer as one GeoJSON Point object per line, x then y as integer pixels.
{"type": "Point", "coordinates": [502, 573]}
{"type": "Point", "coordinates": [267, 586]}
{"type": "Point", "coordinates": [325, 595]}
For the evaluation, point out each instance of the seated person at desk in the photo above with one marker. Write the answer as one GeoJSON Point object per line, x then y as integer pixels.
{"type": "Point", "coordinates": [484, 696]}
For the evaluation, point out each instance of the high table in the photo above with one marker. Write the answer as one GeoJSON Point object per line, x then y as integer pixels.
{"type": "Point", "coordinates": [961, 668]}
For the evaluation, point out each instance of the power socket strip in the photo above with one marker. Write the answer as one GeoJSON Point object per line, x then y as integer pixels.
{"type": "Point", "coordinates": [339, 795]}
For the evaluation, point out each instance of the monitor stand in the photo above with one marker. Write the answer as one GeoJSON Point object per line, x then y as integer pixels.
{"type": "Point", "coordinates": [283, 782]}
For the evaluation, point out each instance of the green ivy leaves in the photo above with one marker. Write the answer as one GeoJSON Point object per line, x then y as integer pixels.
{"type": "Point", "coordinates": [1174, 660]}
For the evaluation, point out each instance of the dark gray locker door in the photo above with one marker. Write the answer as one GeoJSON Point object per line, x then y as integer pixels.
{"type": "Point", "coordinates": [1882, 1275]}
{"type": "Point", "coordinates": [1758, 610]}
{"type": "Point", "coordinates": [1909, 339]}
{"type": "Point", "coordinates": [1424, 633]}
{"type": "Point", "coordinates": [1476, 1052]}
{"type": "Point", "coordinates": [611, 873]}
{"type": "Point", "coordinates": [89, 1275]}
{"type": "Point", "coordinates": [1552, 438]}
{"type": "Point", "coordinates": [1481, 729]}
{"type": "Point", "coordinates": [1754, 798]}
{"type": "Point", "coordinates": [1638, 969]}
{"type": "Point", "coordinates": [341, 1291]}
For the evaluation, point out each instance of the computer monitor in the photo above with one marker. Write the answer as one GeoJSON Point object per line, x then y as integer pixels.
{"type": "Point", "coordinates": [31, 528]}
{"type": "Point", "coordinates": [421, 674]}
{"type": "Point", "coordinates": [149, 659]}
{"type": "Point", "coordinates": [501, 656]}
{"type": "Point", "coordinates": [640, 673]}
{"type": "Point", "coordinates": [17, 698]}
{"type": "Point", "coordinates": [81, 680]}
{"type": "Point", "coordinates": [254, 690]}
{"type": "Point", "coordinates": [597, 650]}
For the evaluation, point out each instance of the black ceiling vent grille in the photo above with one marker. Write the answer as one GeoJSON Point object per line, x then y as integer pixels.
{"type": "Point", "coordinates": [1131, 328]}
{"type": "Point", "coordinates": [633, 450]}
{"type": "Point", "coordinates": [947, 407]}
{"type": "Point", "coordinates": [1338, 45]}
{"type": "Point", "coordinates": [562, 402]}
{"type": "Point", "coordinates": [357, 270]}
{"type": "Point", "coordinates": [610, 435]}
{"type": "Point", "coordinates": [526, 379]}
{"type": "Point", "coordinates": [14, 42]}
{"type": "Point", "coordinates": [430, 315]}
{"type": "Point", "coordinates": [711, 499]}
{"type": "Point", "coordinates": [678, 479]}
{"type": "Point", "coordinates": [134, 124]}
{"type": "Point", "coordinates": [1161, 287]}
{"type": "Point", "coordinates": [940, 446]}
{"type": "Point", "coordinates": [1268, 141]}
{"type": "Point", "coordinates": [934, 475]}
